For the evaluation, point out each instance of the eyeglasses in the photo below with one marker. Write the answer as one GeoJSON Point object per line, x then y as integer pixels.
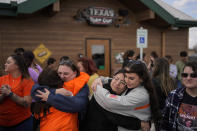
{"type": "Point", "coordinates": [192, 75]}
{"type": "Point", "coordinates": [122, 82]}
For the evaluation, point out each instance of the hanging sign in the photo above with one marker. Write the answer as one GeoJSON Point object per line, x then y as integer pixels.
{"type": "Point", "coordinates": [101, 15]}
{"type": "Point", "coordinates": [42, 53]}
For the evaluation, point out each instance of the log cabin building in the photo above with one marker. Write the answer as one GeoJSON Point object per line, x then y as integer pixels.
{"type": "Point", "coordinates": [99, 29]}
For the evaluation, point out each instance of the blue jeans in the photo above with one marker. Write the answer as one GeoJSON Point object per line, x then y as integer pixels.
{"type": "Point", "coordinates": [26, 125]}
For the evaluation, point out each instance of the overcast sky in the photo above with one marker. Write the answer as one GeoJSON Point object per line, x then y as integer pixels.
{"type": "Point", "coordinates": [189, 7]}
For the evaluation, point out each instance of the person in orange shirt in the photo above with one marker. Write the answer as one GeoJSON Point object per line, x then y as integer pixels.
{"type": "Point", "coordinates": [50, 80]}
{"type": "Point", "coordinates": [15, 99]}
{"type": "Point", "coordinates": [63, 115]}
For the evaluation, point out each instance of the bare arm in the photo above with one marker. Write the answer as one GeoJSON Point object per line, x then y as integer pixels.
{"type": "Point", "coordinates": [23, 101]}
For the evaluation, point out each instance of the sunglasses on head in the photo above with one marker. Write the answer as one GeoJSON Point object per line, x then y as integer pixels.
{"type": "Point", "coordinates": [135, 62]}
{"type": "Point", "coordinates": [65, 62]}
{"type": "Point", "coordinates": [192, 75]}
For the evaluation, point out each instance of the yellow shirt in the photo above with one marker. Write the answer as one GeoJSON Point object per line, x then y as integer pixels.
{"type": "Point", "coordinates": [92, 78]}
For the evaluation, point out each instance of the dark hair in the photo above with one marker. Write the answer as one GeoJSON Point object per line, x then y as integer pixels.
{"type": "Point", "coordinates": [128, 53]}
{"type": "Point", "coordinates": [192, 64]}
{"type": "Point", "coordinates": [89, 65]}
{"type": "Point", "coordinates": [119, 71]}
{"type": "Point", "coordinates": [70, 64]}
{"type": "Point", "coordinates": [138, 56]}
{"type": "Point", "coordinates": [183, 54]}
{"type": "Point", "coordinates": [141, 70]}
{"type": "Point", "coordinates": [19, 51]}
{"type": "Point", "coordinates": [50, 78]}
{"type": "Point", "coordinates": [154, 54]}
{"type": "Point", "coordinates": [50, 61]}
{"type": "Point", "coordinates": [64, 58]}
{"type": "Point", "coordinates": [169, 58]}
{"type": "Point", "coordinates": [29, 57]}
{"type": "Point", "coordinates": [161, 72]}
{"type": "Point", "coordinates": [20, 62]}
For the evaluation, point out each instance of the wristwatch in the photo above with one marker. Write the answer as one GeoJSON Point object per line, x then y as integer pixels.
{"type": "Point", "coordinates": [11, 94]}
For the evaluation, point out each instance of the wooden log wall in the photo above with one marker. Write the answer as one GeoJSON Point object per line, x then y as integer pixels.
{"type": "Point", "coordinates": [62, 35]}
{"type": "Point", "coordinates": [176, 41]}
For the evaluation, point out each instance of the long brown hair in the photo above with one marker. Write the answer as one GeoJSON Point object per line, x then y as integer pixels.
{"type": "Point", "coordinates": [161, 72]}
{"type": "Point", "coordinates": [89, 65]}
{"type": "Point", "coordinates": [141, 70]}
{"type": "Point", "coordinates": [51, 79]}
{"type": "Point", "coordinates": [20, 62]}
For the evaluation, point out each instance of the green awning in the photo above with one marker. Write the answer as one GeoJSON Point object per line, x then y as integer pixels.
{"type": "Point", "coordinates": [26, 7]}
{"type": "Point", "coordinates": [168, 17]}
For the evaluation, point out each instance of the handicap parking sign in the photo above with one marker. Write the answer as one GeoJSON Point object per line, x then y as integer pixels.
{"type": "Point", "coordinates": [142, 38]}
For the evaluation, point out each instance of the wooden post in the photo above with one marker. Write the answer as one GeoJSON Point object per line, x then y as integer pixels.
{"type": "Point", "coordinates": [56, 6]}
{"type": "Point", "coordinates": [163, 43]}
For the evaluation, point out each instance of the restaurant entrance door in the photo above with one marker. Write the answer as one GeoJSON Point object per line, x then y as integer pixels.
{"type": "Point", "coordinates": [99, 51]}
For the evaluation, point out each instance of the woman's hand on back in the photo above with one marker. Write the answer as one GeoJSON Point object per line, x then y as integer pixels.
{"type": "Point", "coordinates": [145, 126]}
{"type": "Point", "coordinates": [43, 95]}
{"type": "Point", "coordinates": [63, 92]}
{"type": "Point", "coordinates": [95, 83]}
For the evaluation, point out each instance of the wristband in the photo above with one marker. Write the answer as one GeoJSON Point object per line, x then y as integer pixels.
{"type": "Point", "coordinates": [11, 94]}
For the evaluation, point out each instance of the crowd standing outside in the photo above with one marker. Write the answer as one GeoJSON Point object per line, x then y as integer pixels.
{"type": "Point", "coordinates": [162, 82]}
{"type": "Point", "coordinates": [88, 66]}
{"type": "Point", "coordinates": [181, 103]}
{"type": "Point", "coordinates": [15, 98]}
{"type": "Point", "coordinates": [63, 115]}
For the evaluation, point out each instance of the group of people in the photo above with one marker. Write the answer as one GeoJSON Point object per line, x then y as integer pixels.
{"type": "Point", "coordinates": [176, 89]}
{"type": "Point", "coordinates": [73, 97]}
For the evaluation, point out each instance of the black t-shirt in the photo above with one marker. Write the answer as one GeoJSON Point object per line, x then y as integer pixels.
{"type": "Point", "coordinates": [187, 115]}
{"type": "Point", "coordinates": [99, 119]}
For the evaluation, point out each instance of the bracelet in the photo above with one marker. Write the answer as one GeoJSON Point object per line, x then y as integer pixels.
{"type": "Point", "coordinates": [11, 94]}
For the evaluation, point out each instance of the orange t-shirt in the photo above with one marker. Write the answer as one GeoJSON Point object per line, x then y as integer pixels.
{"type": "Point", "coordinates": [57, 120]}
{"type": "Point", "coordinates": [12, 113]}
